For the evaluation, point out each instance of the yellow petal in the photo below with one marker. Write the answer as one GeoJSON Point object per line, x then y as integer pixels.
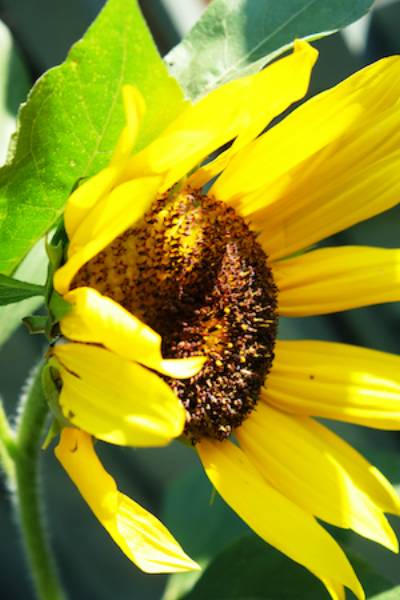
{"type": "Point", "coordinates": [98, 319]}
{"type": "Point", "coordinates": [238, 108]}
{"type": "Point", "coordinates": [111, 216]}
{"type": "Point", "coordinates": [319, 472]}
{"type": "Point", "coordinates": [334, 279]}
{"type": "Point", "coordinates": [89, 193]}
{"type": "Point", "coordinates": [275, 518]}
{"type": "Point", "coordinates": [116, 400]}
{"type": "Point", "coordinates": [336, 381]}
{"type": "Point", "coordinates": [142, 537]}
{"type": "Point", "coordinates": [330, 164]}
{"type": "Point", "coordinates": [134, 107]}
{"type": "Point", "coordinates": [318, 123]}
{"type": "Point", "coordinates": [279, 85]}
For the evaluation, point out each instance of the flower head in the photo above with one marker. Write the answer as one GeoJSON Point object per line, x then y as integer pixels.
{"type": "Point", "coordinates": [178, 265]}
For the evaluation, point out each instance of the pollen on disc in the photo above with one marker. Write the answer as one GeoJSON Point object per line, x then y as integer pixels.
{"type": "Point", "coordinates": [193, 270]}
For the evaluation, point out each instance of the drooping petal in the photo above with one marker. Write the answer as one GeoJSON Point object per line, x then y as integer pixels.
{"type": "Point", "coordinates": [320, 472]}
{"type": "Point", "coordinates": [281, 84]}
{"type": "Point", "coordinates": [140, 535]}
{"type": "Point", "coordinates": [275, 518]}
{"type": "Point", "coordinates": [239, 108]}
{"type": "Point", "coordinates": [110, 217]}
{"type": "Point", "coordinates": [89, 193]}
{"type": "Point", "coordinates": [336, 381]}
{"type": "Point", "coordinates": [116, 400]}
{"type": "Point", "coordinates": [334, 279]}
{"type": "Point", "coordinates": [330, 164]}
{"type": "Point", "coordinates": [98, 319]}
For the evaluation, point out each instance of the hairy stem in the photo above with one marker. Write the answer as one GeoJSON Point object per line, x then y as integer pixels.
{"type": "Point", "coordinates": [32, 420]}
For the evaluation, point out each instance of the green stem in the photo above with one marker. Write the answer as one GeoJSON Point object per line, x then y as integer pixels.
{"type": "Point", "coordinates": [32, 420]}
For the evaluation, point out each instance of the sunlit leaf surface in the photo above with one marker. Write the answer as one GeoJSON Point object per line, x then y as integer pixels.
{"type": "Point", "coordinates": [72, 119]}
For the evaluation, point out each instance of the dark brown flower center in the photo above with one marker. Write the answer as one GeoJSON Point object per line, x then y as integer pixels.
{"type": "Point", "coordinates": [193, 270]}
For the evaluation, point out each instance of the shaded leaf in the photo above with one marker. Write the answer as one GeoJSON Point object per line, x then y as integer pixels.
{"type": "Point", "coordinates": [251, 570]}
{"type": "Point", "coordinates": [393, 594]}
{"type": "Point", "coordinates": [208, 529]}
{"type": "Point", "coordinates": [238, 37]}
{"type": "Point", "coordinates": [69, 126]}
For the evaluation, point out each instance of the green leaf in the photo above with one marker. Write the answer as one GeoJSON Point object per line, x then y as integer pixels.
{"type": "Point", "coordinates": [251, 570]}
{"type": "Point", "coordinates": [234, 38]}
{"type": "Point", "coordinates": [34, 269]}
{"type": "Point", "coordinates": [393, 594]}
{"type": "Point", "coordinates": [72, 119]}
{"type": "Point", "coordinates": [12, 290]}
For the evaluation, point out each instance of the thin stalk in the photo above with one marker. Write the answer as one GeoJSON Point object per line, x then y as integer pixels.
{"type": "Point", "coordinates": [32, 420]}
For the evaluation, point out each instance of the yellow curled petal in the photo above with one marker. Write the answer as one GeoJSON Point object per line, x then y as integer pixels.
{"type": "Point", "coordinates": [238, 108]}
{"type": "Point", "coordinates": [134, 107]}
{"type": "Point", "coordinates": [272, 91]}
{"type": "Point", "coordinates": [336, 381]}
{"type": "Point", "coordinates": [297, 187]}
{"type": "Point", "coordinates": [98, 319]}
{"type": "Point", "coordinates": [359, 101]}
{"type": "Point", "coordinates": [319, 472]}
{"type": "Point", "coordinates": [117, 211]}
{"type": "Point", "coordinates": [86, 196]}
{"type": "Point", "coordinates": [116, 400]}
{"type": "Point", "coordinates": [275, 518]}
{"type": "Point", "coordinates": [140, 535]}
{"type": "Point", "coordinates": [334, 279]}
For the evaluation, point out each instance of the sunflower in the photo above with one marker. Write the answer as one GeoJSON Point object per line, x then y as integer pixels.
{"type": "Point", "coordinates": [180, 258]}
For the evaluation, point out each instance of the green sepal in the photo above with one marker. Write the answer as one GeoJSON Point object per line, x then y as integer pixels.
{"type": "Point", "coordinates": [35, 323]}
{"type": "Point", "coordinates": [56, 305]}
{"type": "Point", "coordinates": [55, 250]}
{"type": "Point", "coordinates": [53, 432]}
{"type": "Point", "coordinates": [51, 384]}
{"type": "Point", "coordinates": [13, 290]}
{"type": "Point", "coordinates": [59, 307]}
{"type": "Point", "coordinates": [55, 253]}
